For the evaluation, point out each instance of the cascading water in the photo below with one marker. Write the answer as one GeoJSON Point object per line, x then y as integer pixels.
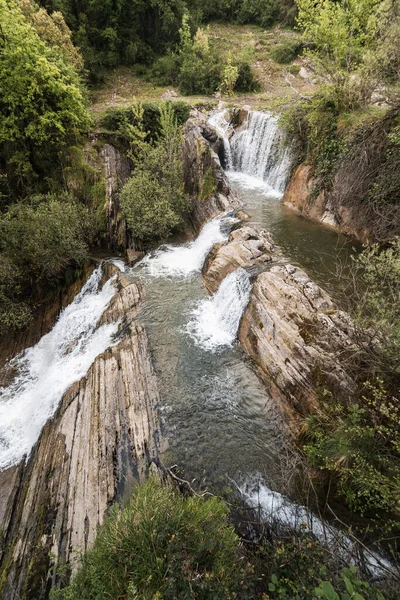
{"type": "Point", "coordinates": [222, 126]}
{"type": "Point", "coordinates": [276, 508]}
{"type": "Point", "coordinates": [215, 321]}
{"type": "Point", "coordinates": [257, 150]}
{"type": "Point", "coordinates": [45, 371]}
{"type": "Point", "coordinates": [182, 261]}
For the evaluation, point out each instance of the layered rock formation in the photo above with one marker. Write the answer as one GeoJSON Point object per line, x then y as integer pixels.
{"type": "Point", "coordinates": [291, 328]}
{"type": "Point", "coordinates": [245, 248]}
{"type": "Point", "coordinates": [204, 178]}
{"type": "Point", "coordinates": [104, 434]}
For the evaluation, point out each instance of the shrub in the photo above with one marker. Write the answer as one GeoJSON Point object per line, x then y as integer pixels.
{"type": "Point", "coordinates": [14, 312]}
{"type": "Point", "coordinates": [162, 545]}
{"type": "Point", "coordinates": [115, 119]}
{"type": "Point", "coordinates": [286, 52]}
{"type": "Point", "coordinates": [152, 200]}
{"type": "Point", "coordinates": [360, 445]}
{"type": "Point", "coordinates": [43, 235]}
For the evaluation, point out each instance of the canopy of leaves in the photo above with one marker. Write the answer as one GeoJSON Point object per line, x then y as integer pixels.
{"type": "Point", "coordinates": [41, 101]}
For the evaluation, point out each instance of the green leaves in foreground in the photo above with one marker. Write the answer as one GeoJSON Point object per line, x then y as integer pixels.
{"type": "Point", "coordinates": [162, 545]}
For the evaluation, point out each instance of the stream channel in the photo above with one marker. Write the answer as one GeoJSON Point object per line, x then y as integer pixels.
{"type": "Point", "coordinates": [222, 427]}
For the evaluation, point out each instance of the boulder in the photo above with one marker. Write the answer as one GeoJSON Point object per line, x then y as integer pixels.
{"type": "Point", "coordinates": [246, 247]}
{"type": "Point", "coordinates": [292, 330]}
{"type": "Point", "coordinates": [133, 256]}
{"type": "Point", "coordinates": [204, 178]}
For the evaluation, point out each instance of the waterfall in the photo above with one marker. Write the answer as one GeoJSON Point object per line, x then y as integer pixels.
{"type": "Point", "coordinates": [46, 371]}
{"type": "Point", "coordinates": [215, 321]}
{"type": "Point", "coordinates": [275, 508]}
{"type": "Point", "coordinates": [187, 259]}
{"type": "Point", "coordinates": [257, 149]}
{"type": "Point", "coordinates": [223, 127]}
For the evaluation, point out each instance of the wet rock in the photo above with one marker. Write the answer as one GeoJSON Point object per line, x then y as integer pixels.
{"type": "Point", "coordinates": [204, 179]}
{"type": "Point", "coordinates": [246, 247]}
{"type": "Point", "coordinates": [132, 257]}
{"type": "Point", "coordinates": [291, 328]}
{"type": "Point", "coordinates": [103, 436]}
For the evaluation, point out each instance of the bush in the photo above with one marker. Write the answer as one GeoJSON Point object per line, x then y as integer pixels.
{"type": "Point", "coordinates": [198, 68]}
{"type": "Point", "coordinates": [286, 53]}
{"type": "Point", "coordinates": [162, 545]}
{"type": "Point", "coordinates": [152, 200]}
{"type": "Point", "coordinates": [43, 235]}
{"type": "Point", "coordinates": [14, 312]}
{"type": "Point", "coordinates": [115, 119]}
{"type": "Point", "coordinates": [360, 445]}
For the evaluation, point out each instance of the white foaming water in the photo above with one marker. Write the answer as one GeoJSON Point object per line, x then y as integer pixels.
{"type": "Point", "coordinates": [222, 125]}
{"type": "Point", "coordinates": [251, 182]}
{"type": "Point", "coordinates": [215, 320]}
{"type": "Point", "coordinates": [47, 370]}
{"type": "Point", "coordinates": [257, 150]}
{"type": "Point", "coordinates": [182, 261]}
{"type": "Point", "coordinates": [275, 508]}
{"type": "Point", "coordinates": [117, 262]}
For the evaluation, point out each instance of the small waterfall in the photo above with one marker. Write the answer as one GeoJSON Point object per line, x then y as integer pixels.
{"type": "Point", "coordinates": [215, 321]}
{"type": "Point", "coordinates": [257, 150]}
{"type": "Point", "coordinates": [275, 508]}
{"type": "Point", "coordinates": [46, 371]}
{"type": "Point", "coordinates": [183, 261]}
{"type": "Point", "coordinates": [222, 126]}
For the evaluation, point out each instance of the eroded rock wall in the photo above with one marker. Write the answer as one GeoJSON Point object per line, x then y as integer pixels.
{"type": "Point", "coordinates": [204, 178]}
{"type": "Point", "coordinates": [103, 436]}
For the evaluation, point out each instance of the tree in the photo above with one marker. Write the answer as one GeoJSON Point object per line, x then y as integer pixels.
{"type": "Point", "coordinates": [42, 103]}
{"type": "Point", "coordinates": [342, 33]}
{"type": "Point", "coordinates": [153, 200]}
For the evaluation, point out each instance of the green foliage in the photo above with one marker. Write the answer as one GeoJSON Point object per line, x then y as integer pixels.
{"type": "Point", "coordinates": [122, 32]}
{"type": "Point", "coordinates": [386, 187]}
{"type": "Point", "coordinates": [257, 12]}
{"type": "Point", "coordinates": [162, 545]}
{"type": "Point", "coordinates": [39, 238]}
{"type": "Point", "coordinates": [153, 200]}
{"type": "Point", "coordinates": [353, 43]}
{"type": "Point", "coordinates": [41, 102]}
{"type": "Point", "coordinates": [45, 234]}
{"type": "Point", "coordinates": [198, 68]}
{"type": "Point", "coordinates": [298, 567]}
{"type": "Point", "coordinates": [115, 119]}
{"type": "Point", "coordinates": [350, 587]}
{"type": "Point", "coordinates": [378, 301]}
{"type": "Point", "coordinates": [311, 127]}
{"type": "Point", "coordinates": [14, 312]}
{"type": "Point", "coordinates": [286, 52]}
{"type": "Point", "coordinates": [360, 444]}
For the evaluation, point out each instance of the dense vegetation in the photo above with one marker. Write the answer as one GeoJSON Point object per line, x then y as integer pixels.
{"type": "Point", "coordinates": [129, 32]}
{"type": "Point", "coordinates": [166, 545]}
{"type": "Point", "coordinates": [153, 200]}
{"type": "Point", "coordinates": [354, 150]}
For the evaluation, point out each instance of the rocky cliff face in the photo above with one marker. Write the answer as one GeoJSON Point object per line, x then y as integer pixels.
{"type": "Point", "coordinates": [107, 157]}
{"type": "Point", "coordinates": [104, 435]}
{"type": "Point", "coordinates": [362, 199]}
{"type": "Point", "coordinates": [204, 179]}
{"type": "Point", "coordinates": [291, 329]}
